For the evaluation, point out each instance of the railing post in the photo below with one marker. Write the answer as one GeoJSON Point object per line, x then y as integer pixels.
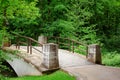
{"type": "Point", "coordinates": [18, 45]}
{"type": "Point", "coordinates": [69, 45]}
{"type": "Point", "coordinates": [58, 41]}
{"type": "Point", "coordinates": [73, 46]}
{"type": "Point", "coordinates": [94, 54]}
{"type": "Point", "coordinates": [30, 46]}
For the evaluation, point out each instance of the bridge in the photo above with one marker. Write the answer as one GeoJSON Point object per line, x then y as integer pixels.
{"type": "Point", "coordinates": [37, 57]}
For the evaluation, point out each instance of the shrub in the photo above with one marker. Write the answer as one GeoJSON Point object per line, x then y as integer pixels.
{"type": "Point", "coordinates": [113, 43]}
{"type": "Point", "coordinates": [111, 59]}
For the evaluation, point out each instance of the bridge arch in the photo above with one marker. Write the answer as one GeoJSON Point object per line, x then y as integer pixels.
{"type": "Point", "coordinates": [10, 71]}
{"type": "Point", "coordinates": [21, 67]}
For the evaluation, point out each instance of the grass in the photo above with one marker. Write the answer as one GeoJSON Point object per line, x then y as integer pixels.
{"type": "Point", "coordinates": [59, 75]}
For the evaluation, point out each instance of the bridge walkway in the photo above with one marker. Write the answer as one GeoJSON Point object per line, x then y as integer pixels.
{"type": "Point", "coordinates": [74, 64]}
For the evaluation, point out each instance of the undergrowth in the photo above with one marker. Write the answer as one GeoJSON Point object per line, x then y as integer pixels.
{"type": "Point", "coordinates": [111, 58]}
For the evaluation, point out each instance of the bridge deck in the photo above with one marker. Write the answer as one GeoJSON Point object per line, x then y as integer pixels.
{"type": "Point", "coordinates": [94, 72]}
{"type": "Point", "coordinates": [66, 58]}
{"type": "Point", "coordinates": [74, 64]}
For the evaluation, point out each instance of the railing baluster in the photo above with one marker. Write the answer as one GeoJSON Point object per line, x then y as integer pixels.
{"type": "Point", "coordinates": [28, 44]}
{"type": "Point", "coordinates": [16, 43]}
{"type": "Point", "coordinates": [69, 45]}
{"type": "Point", "coordinates": [58, 40]}
{"type": "Point", "coordinates": [73, 46]}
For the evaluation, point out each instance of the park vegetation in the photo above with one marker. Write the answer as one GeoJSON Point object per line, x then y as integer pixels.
{"type": "Point", "coordinates": [89, 21]}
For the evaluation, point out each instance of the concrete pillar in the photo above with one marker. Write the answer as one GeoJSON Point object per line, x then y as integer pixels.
{"type": "Point", "coordinates": [94, 54]}
{"type": "Point", "coordinates": [50, 52]}
{"type": "Point", "coordinates": [42, 39]}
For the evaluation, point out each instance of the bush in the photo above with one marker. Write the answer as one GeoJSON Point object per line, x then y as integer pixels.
{"type": "Point", "coordinates": [111, 59]}
{"type": "Point", "coordinates": [81, 50]}
{"type": "Point", "coordinates": [113, 43]}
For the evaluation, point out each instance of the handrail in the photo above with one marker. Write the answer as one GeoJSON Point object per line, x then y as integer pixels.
{"type": "Point", "coordinates": [28, 42]}
{"type": "Point", "coordinates": [81, 43]}
{"type": "Point", "coordinates": [71, 43]}
{"type": "Point", "coordinates": [33, 40]}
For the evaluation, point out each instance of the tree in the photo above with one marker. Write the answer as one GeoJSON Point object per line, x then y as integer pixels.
{"type": "Point", "coordinates": [19, 15]}
{"type": "Point", "coordinates": [106, 17]}
{"type": "Point", "coordinates": [54, 19]}
{"type": "Point", "coordinates": [80, 14]}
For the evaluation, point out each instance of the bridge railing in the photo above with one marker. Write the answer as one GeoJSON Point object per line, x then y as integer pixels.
{"type": "Point", "coordinates": [69, 44]}
{"type": "Point", "coordinates": [64, 43]}
{"type": "Point", "coordinates": [92, 51]}
{"type": "Point", "coordinates": [27, 41]}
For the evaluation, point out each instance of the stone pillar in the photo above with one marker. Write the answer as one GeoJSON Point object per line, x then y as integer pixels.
{"type": "Point", "coordinates": [42, 39]}
{"type": "Point", "coordinates": [94, 54]}
{"type": "Point", "coordinates": [50, 52]}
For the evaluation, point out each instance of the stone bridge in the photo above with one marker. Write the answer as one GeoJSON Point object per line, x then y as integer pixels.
{"type": "Point", "coordinates": [36, 59]}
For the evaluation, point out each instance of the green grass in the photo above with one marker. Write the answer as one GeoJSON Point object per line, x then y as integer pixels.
{"type": "Point", "coordinates": [59, 75]}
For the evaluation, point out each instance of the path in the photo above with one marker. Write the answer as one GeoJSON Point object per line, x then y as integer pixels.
{"type": "Point", "coordinates": [94, 72]}
{"type": "Point", "coordinates": [76, 65]}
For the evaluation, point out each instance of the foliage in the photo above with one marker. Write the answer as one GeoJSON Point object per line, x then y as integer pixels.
{"type": "Point", "coordinates": [105, 15]}
{"type": "Point", "coordinates": [89, 35]}
{"type": "Point", "coordinates": [111, 59]}
{"type": "Point", "coordinates": [18, 15]}
{"type": "Point", "coordinates": [60, 28]}
{"type": "Point", "coordinates": [5, 36]}
{"type": "Point", "coordinates": [80, 15]}
{"type": "Point", "coordinates": [55, 21]}
{"type": "Point", "coordinates": [113, 43]}
{"type": "Point", "coordinates": [3, 55]}
{"type": "Point", "coordinates": [55, 76]}
{"type": "Point", "coordinates": [81, 49]}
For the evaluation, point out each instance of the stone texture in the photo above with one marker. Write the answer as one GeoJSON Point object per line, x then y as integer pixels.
{"type": "Point", "coordinates": [94, 54]}
{"type": "Point", "coordinates": [42, 39]}
{"type": "Point", "coordinates": [50, 52]}
{"type": "Point", "coordinates": [21, 67]}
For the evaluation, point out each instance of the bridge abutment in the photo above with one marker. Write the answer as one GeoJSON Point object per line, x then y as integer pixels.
{"type": "Point", "coordinates": [50, 52]}
{"type": "Point", "coordinates": [94, 54]}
